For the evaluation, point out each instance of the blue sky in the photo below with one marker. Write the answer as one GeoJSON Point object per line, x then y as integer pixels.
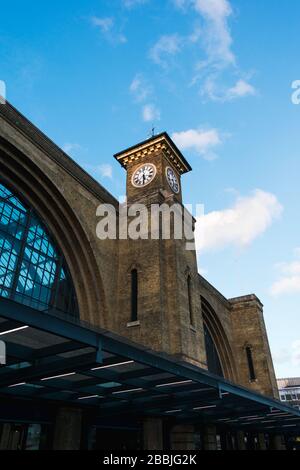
{"type": "Point", "coordinates": [95, 75]}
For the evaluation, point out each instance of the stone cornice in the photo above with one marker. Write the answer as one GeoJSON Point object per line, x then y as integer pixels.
{"type": "Point", "coordinates": [161, 143]}
{"type": "Point", "coordinates": [246, 300]}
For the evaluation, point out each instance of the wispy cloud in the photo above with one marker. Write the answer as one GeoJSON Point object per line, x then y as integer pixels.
{"type": "Point", "coordinates": [240, 89]}
{"type": "Point", "coordinates": [71, 148]}
{"type": "Point", "coordinates": [165, 47]}
{"type": "Point", "coordinates": [104, 170]}
{"type": "Point", "coordinates": [140, 88]}
{"type": "Point", "coordinates": [133, 3]}
{"type": "Point", "coordinates": [104, 24]}
{"type": "Point", "coordinates": [75, 150]}
{"type": "Point", "coordinates": [289, 355]}
{"type": "Point", "coordinates": [150, 113]}
{"type": "Point", "coordinates": [217, 36]}
{"type": "Point", "coordinates": [238, 225]}
{"type": "Point", "coordinates": [108, 29]}
{"type": "Point", "coordinates": [289, 280]}
{"type": "Point", "coordinates": [215, 41]}
{"type": "Point", "coordinates": [201, 141]}
{"type": "Point", "coordinates": [216, 92]}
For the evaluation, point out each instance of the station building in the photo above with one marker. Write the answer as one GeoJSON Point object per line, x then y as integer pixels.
{"type": "Point", "coordinates": [119, 344]}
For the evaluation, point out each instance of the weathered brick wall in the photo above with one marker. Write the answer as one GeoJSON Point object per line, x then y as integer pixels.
{"type": "Point", "coordinates": [248, 329]}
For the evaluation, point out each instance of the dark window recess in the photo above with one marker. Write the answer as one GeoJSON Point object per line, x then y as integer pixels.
{"type": "Point", "coordinates": [212, 356]}
{"type": "Point", "coordinates": [33, 271]}
{"type": "Point", "coordinates": [189, 288]}
{"type": "Point", "coordinates": [134, 295]}
{"type": "Point", "coordinates": [252, 375]}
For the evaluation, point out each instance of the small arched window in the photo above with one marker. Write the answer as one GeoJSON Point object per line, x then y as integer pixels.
{"type": "Point", "coordinates": [190, 303]}
{"type": "Point", "coordinates": [252, 375]}
{"type": "Point", "coordinates": [134, 295]}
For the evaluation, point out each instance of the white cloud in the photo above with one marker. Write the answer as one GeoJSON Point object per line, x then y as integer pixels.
{"type": "Point", "coordinates": [217, 92]}
{"type": "Point", "coordinates": [290, 268]}
{"type": "Point", "coordinates": [215, 40]}
{"type": "Point", "coordinates": [289, 282]}
{"type": "Point", "coordinates": [105, 24]}
{"type": "Point", "coordinates": [217, 37]}
{"type": "Point", "coordinates": [202, 141]}
{"type": "Point", "coordinates": [289, 355]}
{"type": "Point", "coordinates": [71, 148]}
{"type": "Point", "coordinates": [239, 225]}
{"type": "Point", "coordinates": [151, 113]}
{"type": "Point", "coordinates": [286, 285]}
{"type": "Point", "coordinates": [140, 88]}
{"type": "Point", "coordinates": [108, 29]}
{"type": "Point", "coordinates": [168, 45]}
{"type": "Point", "coordinates": [133, 3]}
{"type": "Point", "coordinates": [105, 170]}
{"type": "Point", "coordinates": [240, 89]}
{"type": "Point", "coordinates": [281, 356]}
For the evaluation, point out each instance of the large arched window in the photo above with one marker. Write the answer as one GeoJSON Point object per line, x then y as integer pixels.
{"type": "Point", "coordinates": [213, 360]}
{"type": "Point", "coordinates": [32, 269]}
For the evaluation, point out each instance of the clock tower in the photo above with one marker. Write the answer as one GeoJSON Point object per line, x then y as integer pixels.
{"type": "Point", "coordinates": [159, 305]}
{"type": "Point", "coordinates": [153, 166]}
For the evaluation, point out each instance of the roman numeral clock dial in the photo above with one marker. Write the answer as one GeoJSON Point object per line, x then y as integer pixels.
{"type": "Point", "coordinates": [143, 175]}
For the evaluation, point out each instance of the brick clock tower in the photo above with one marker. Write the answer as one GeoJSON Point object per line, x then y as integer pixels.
{"type": "Point", "coordinates": [159, 302]}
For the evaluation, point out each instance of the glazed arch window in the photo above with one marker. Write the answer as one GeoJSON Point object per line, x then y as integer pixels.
{"type": "Point", "coordinates": [212, 356]}
{"type": "Point", "coordinates": [134, 295]}
{"type": "Point", "coordinates": [249, 355]}
{"type": "Point", "coordinates": [33, 271]}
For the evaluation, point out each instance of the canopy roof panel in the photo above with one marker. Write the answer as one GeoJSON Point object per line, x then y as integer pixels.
{"type": "Point", "coordinates": [55, 358]}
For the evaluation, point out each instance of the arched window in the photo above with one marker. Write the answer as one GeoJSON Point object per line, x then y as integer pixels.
{"type": "Point", "coordinates": [212, 356]}
{"type": "Point", "coordinates": [32, 269]}
{"type": "Point", "coordinates": [189, 289]}
{"type": "Point", "coordinates": [252, 375]}
{"type": "Point", "coordinates": [134, 295]}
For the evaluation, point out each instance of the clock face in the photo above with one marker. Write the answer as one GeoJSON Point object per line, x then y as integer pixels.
{"type": "Point", "coordinates": [172, 180]}
{"type": "Point", "coordinates": [143, 175]}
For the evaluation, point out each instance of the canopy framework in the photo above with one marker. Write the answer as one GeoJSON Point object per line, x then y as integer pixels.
{"type": "Point", "coordinates": [58, 359]}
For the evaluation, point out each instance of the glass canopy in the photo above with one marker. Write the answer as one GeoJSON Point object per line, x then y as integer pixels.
{"type": "Point", "coordinates": [32, 269]}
